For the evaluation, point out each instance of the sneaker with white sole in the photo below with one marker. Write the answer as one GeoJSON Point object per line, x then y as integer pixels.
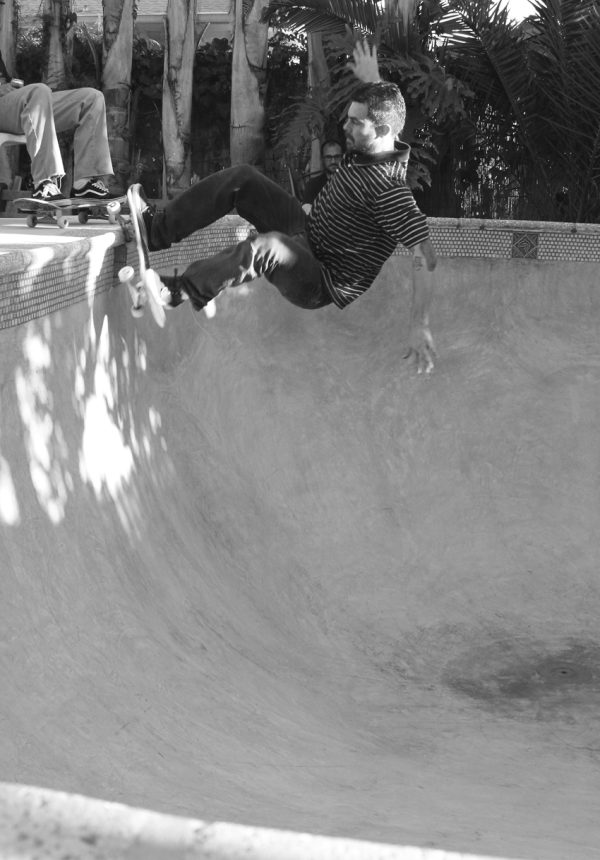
{"type": "Point", "coordinates": [48, 191]}
{"type": "Point", "coordinates": [165, 290]}
{"type": "Point", "coordinates": [171, 292]}
{"type": "Point", "coordinates": [94, 189]}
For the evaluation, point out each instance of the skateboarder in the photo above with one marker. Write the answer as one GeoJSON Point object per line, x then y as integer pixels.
{"type": "Point", "coordinates": [40, 114]}
{"type": "Point", "coordinates": [331, 256]}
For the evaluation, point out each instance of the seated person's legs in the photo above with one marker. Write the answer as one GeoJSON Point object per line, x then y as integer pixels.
{"type": "Point", "coordinates": [83, 111]}
{"type": "Point", "coordinates": [28, 111]}
{"type": "Point", "coordinates": [39, 114]}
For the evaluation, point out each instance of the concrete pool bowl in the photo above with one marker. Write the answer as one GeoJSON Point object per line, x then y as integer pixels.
{"type": "Point", "coordinates": [257, 571]}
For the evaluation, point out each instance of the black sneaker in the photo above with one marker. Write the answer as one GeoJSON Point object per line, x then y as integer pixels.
{"type": "Point", "coordinates": [47, 191]}
{"type": "Point", "coordinates": [94, 189]}
{"type": "Point", "coordinates": [171, 294]}
{"type": "Point", "coordinates": [142, 214]}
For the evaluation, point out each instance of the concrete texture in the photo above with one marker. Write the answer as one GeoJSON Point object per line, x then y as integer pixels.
{"type": "Point", "coordinates": [40, 824]}
{"type": "Point", "coordinates": [256, 570]}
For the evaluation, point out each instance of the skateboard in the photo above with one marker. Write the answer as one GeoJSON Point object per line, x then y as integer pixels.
{"type": "Point", "coordinates": [56, 211]}
{"type": "Point", "coordinates": [145, 290]}
{"type": "Point", "coordinates": [105, 210]}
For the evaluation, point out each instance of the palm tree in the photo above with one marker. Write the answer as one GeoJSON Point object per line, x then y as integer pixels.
{"type": "Point", "coordinates": [58, 29]}
{"type": "Point", "coordinates": [537, 84]}
{"type": "Point", "coordinates": [116, 83]}
{"type": "Point", "coordinates": [8, 33]}
{"type": "Point", "coordinates": [406, 32]}
{"type": "Point", "coordinates": [319, 83]}
{"type": "Point", "coordinates": [180, 44]}
{"type": "Point", "coordinates": [248, 79]}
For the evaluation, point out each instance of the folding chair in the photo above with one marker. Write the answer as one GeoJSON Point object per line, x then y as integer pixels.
{"type": "Point", "coordinates": [10, 189]}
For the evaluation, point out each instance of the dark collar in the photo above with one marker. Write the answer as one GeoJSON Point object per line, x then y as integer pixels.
{"type": "Point", "coordinates": [400, 154]}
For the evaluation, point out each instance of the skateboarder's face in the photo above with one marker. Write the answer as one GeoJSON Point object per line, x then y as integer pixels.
{"type": "Point", "coordinates": [361, 132]}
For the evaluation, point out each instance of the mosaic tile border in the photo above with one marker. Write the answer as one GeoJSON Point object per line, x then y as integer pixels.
{"type": "Point", "coordinates": [35, 283]}
{"type": "Point", "coordinates": [55, 278]}
{"type": "Point", "coordinates": [524, 240]}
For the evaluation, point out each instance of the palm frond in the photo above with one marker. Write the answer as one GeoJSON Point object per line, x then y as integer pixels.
{"type": "Point", "coordinates": [564, 57]}
{"type": "Point", "coordinates": [541, 81]}
{"type": "Point", "coordinates": [297, 125]}
{"type": "Point", "coordinates": [319, 15]}
{"type": "Point", "coordinates": [490, 51]}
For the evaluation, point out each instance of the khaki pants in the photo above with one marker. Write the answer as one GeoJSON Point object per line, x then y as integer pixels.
{"type": "Point", "coordinates": [40, 114]}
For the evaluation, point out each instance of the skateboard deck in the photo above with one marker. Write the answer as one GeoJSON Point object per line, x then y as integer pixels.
{"type": "Point", "coordinates": [57, 210]}
{"type": "Point", "coordinates": [145, 290]}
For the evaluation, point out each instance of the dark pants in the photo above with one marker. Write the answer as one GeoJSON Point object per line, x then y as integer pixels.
{"type": "Point", "coordinates": [280, 252]}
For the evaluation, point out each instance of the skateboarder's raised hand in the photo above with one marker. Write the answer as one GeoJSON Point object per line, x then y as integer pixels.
{"type": "Point", "coordinates": [364, 62]}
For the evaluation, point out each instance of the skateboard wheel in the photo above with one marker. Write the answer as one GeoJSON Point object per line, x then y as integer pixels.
{"type": "Point", "coordinates": [126, 274]}
{"type": "Point", "coordinates": [63, 222]}
{"type": "Point", "coordinates": [83, 216]}
{"type": "Point", "coordinates": [113, 208]}
{"type": "Point", "coordinates": [32, 220]}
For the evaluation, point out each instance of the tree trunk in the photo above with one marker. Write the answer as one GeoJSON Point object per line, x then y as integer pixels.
{"type": "Point", "coordinates": [400, 10]}
{"type": "Point", "coordinates": [248, 80]}
{"type": "Point", "coordinates": [8, 34]}
{"type": "Point", "coordinates": [180, 46]}
{"type": "Point", "coordinates": [54, 70]}
{"type": "Point", "coordinates": [318, 79]}
{"type": "Point", "coordinates": [117, 51]}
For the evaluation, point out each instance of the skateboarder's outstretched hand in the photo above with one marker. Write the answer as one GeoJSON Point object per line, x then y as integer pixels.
{"type": "Point", "coordinates": [421, 348]}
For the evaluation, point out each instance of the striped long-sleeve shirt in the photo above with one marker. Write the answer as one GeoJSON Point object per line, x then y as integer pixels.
{"type": "Point", "coordinates": [360, 216]}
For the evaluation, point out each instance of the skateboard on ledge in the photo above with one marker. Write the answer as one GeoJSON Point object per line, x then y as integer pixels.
{"type": "Point", "coordinates": [145, 289]}
{"type": "Point", "coordinates": [57, 211]}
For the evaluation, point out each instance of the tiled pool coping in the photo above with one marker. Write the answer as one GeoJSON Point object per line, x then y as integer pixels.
{"type": "Point", "coordinates": [42, 272]}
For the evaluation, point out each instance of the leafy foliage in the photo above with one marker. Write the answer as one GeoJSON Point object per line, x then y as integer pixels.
{"type": "Point", "coordinates": [146, 114]}
{"type": "Point", "coordinates": [147, 67]}
{"type": "Point", "coordinates": [504, 118]}
{"type": "Point", "coordinates": [86, 56]}
{"type": "Point", "coordinates": [538, 84]}
{"type": "Point", "coordinates": [407, 57]}
{"type": "Point", "coordinates": [211, 107]}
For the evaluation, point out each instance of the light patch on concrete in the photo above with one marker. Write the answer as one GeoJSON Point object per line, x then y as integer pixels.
{"type": "Point", "coordinates": [263, 573]}
{"type": "Point", "coordinates": [46, 445]}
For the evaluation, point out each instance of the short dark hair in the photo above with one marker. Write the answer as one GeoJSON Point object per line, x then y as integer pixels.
{"type": "Point", "coordinates": [330, 142]}
{"type": "Point", "coordinates": [385, 104]}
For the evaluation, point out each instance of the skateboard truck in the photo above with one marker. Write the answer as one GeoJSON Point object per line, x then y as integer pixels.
{"type": "Point", "coordinates": [137, 290]}
{"type": "Point", "coordinates": [86, 208]}
{"type": "Point", "coordinates": [55, 215]}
